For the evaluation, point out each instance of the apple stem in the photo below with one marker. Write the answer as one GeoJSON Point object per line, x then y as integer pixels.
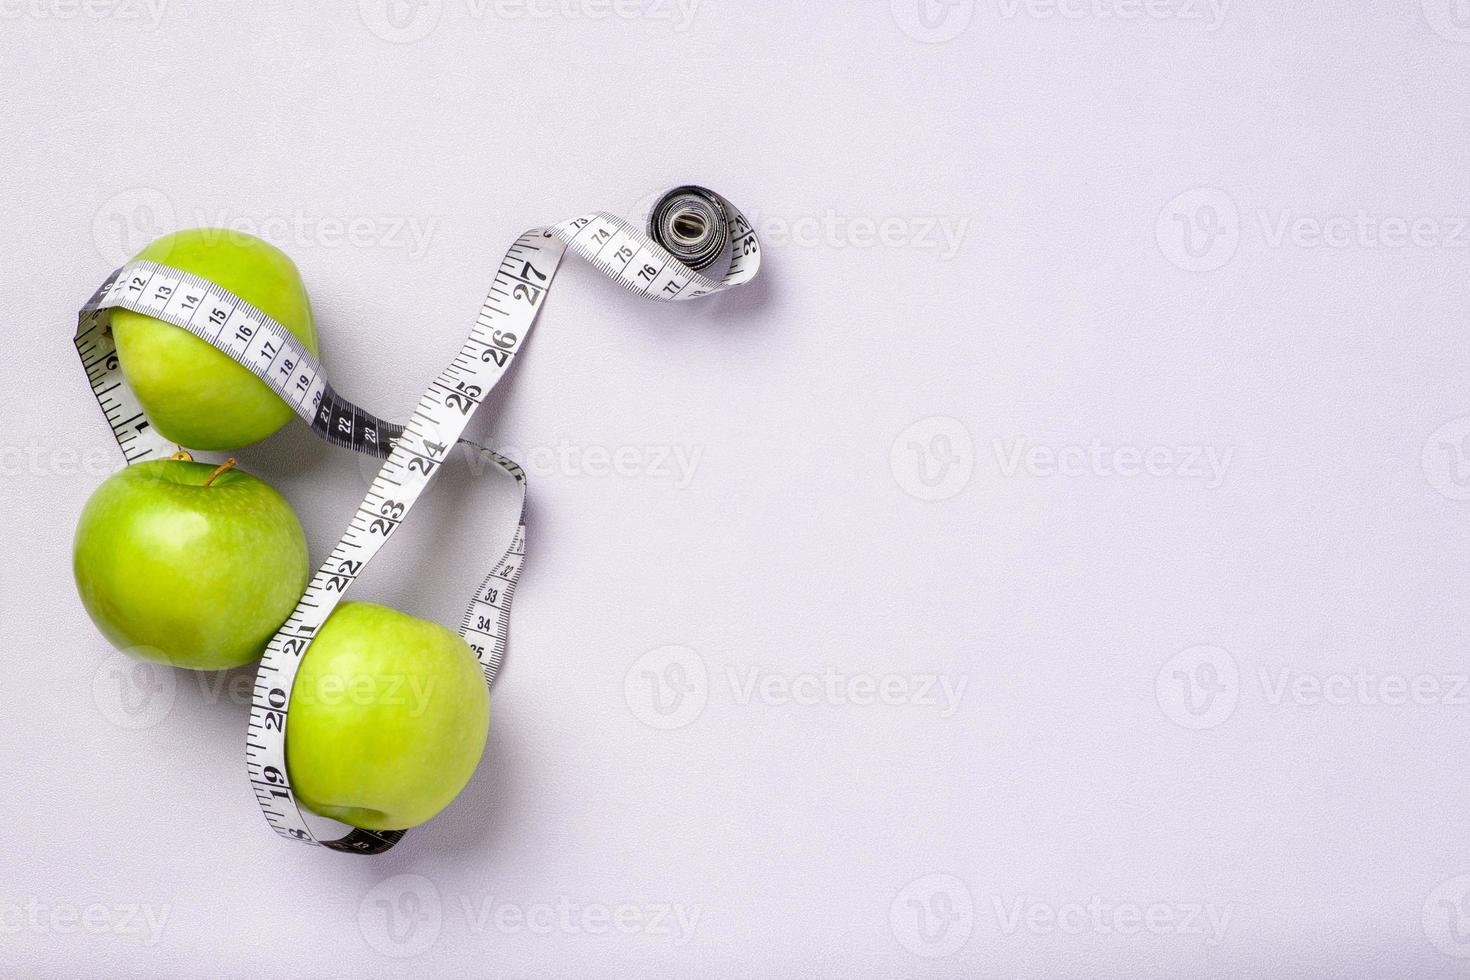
{"type": "Point", "coordinates": [182, 456]}
{"type": "Point", "coordinates": [228, 464]}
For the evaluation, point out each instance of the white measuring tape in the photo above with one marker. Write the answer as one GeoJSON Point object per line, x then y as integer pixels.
{"type": "Point", "coordinates": [689, 229]}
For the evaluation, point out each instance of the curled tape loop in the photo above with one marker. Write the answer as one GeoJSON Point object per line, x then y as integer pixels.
{"type": "Point", "coordinates": [688, 231]}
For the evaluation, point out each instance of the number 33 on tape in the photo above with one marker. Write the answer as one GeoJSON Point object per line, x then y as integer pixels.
{"type": "Point", "coordinates": [689, 231]}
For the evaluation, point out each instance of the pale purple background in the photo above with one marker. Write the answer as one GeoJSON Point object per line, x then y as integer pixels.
{"type": "Point", "coordinates": [1175, 231]}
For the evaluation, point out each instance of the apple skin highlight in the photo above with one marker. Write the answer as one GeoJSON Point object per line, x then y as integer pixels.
{"type": "Point", "coordinates": [389, 716]}
{"type": "Point", "coordinates": [190, 575]}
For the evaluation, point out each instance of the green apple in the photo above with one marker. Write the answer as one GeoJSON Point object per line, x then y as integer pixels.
{"type": "Point", "coordinates": [189, 564]}
{"type": "Point", "coordinates": [389, 715]}
{"type": "Point", "coordinates": [192, 393]}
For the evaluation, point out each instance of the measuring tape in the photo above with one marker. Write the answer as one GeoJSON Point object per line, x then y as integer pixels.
{"type": "Point", "coordinates": [688, 231]}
